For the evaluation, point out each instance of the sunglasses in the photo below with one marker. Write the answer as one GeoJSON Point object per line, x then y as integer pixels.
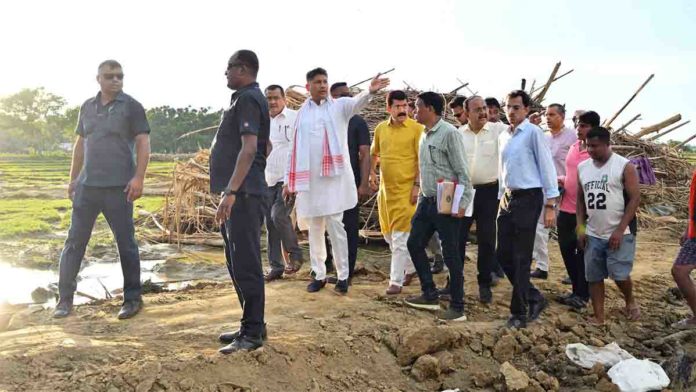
{"type": "Point", "coordinates": [112, 76]}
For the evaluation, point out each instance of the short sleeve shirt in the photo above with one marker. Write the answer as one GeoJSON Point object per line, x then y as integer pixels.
{"type": "Point", "coordinates": [108, 133]}
{"type": "Point", "coordinates": [358, 135]}
{"type": "Point", "coordinates": [246, 115]}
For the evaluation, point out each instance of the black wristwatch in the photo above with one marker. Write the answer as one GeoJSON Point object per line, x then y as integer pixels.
{"type": "Point", "coordinates": [227, 191]}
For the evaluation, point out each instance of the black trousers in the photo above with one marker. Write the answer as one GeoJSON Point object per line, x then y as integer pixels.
{"type": "Point", "coordinates": [517, 220]}
{"type": "Point", "coordinates": [351, 222]}
{"type": "Point", "coordinates": [242, 236]}
{"type": "Point", "coordinates": [279, 229]}
{"type": "Point", "coordinates": [573, 257]}
{"type": "Point", "coordinates": [425, 222]}
{"type": "Point", "coordinates": [88, 203]}
{"type": "Point", "coordinates": [485, 213]}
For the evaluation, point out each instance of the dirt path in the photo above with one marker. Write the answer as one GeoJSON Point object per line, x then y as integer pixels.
{"type": "Point", "coordinates": [324, 342]}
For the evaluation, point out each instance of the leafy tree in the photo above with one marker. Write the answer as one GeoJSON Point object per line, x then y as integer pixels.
{"type": "Point", "coordinates": [169, 123]}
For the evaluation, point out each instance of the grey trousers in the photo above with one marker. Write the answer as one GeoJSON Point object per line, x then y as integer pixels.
{"type": "Point", "coordinates": [279, 228]}
{"type": "Point", "coordinates": [88, 203]}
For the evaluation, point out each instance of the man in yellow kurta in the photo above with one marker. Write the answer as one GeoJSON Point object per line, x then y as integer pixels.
{"type": "Point", "coordinates": [395, 146]}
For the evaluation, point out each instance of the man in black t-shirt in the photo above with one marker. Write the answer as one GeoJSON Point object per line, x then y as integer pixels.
{"type": "Point", "coordinates": [237, 163]}
{"type": "Point", "coordinates": [359, 151]}
{"type": "Point", "coordinates": [105, 179]}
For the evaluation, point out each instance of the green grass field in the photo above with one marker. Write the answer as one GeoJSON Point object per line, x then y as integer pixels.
{"type": "Point", "coordinates": [47, 210]}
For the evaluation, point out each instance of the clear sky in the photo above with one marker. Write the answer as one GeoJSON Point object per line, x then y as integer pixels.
{"type": "Point", "coordinates": [175, 52]}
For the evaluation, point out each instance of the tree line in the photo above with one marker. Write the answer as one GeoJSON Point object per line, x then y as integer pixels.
{"type": "Point", "coordinates": [36, 121]}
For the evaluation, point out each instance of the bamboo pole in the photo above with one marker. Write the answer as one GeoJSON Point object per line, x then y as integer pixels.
{"type": "Point", "coordinates": [659, 135]}
{"type": "Point", "coordinates": [682, 144]}
{"type": "Point", "coordinates": [654, 128]}
{"type": "Point", "coordinates": [545, 89]}
{"type": "Point", "coordinates": [608, 123]}
{"type": "Point", "coordinates": [459, 88]}
{"type": "Point", "coordinates": [555, 79]}
{"type": "Point", "coordinates": [187, 134]}
{"type": "Point", "coordinates": [372, 77]}
{"type": "Point", "coordinates": [623, 127]}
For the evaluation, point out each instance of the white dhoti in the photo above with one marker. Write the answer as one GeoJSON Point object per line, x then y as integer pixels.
{"type": "Point", "coordinates": [401, 263]}
{"type": "Point", "coordinates": [318, 226]}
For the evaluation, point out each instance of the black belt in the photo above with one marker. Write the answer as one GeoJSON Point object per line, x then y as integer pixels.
{"type": "Point", "coordinates": [522, 192]}
{"type": "Point", "coordinates": [487, 185]}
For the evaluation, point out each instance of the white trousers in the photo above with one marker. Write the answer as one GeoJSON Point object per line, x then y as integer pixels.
{"type": "Point", "coordinates": [541, 247]}
{"type": "Point", "coordinates": [401, 263]}
{"type": "Point", "coordinates": [318, 226]}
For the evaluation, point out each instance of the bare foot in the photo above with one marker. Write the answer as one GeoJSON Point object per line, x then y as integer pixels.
{"type": "Point", "coordinates": [632, 312]}
{"type": "Point", "coordinates": [595, 322]}
{"type": "Point", "coordinates": [687, 323]}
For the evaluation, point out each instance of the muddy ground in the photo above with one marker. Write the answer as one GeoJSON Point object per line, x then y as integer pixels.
{"type": "Point", "coordinates": [324, 342]}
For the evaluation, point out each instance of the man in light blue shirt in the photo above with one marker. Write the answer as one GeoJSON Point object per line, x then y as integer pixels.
{"type": "Point", "coordinates": [528, 178]}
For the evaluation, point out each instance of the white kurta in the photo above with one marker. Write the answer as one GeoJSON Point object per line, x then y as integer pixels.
{"type": "Point", "coordinates": [329, 195]}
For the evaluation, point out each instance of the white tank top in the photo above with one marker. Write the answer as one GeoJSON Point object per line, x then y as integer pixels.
{"type": "Point", "coordinates": [604, 195]}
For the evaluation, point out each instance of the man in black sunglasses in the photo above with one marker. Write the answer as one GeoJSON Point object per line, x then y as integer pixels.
{"type": "Point", "coordinates": [457, 107]}
{"type": "Point", "coordinates": [105, 179]}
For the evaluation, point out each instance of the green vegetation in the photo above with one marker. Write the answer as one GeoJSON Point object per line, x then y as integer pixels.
{"type": "Point", "coordinates": [38, 122]}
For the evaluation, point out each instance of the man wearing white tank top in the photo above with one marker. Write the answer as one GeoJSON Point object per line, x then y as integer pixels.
{"type": "Point", "coordinates": [608, 198]}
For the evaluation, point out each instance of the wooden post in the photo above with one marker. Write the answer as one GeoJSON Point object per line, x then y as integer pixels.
{"type": "Point", "coordinates": [608, 123]}
{"type": "Point", "coordinates": [459, 88]}
{"type": "Point", "coordinates": [623, 127]}
{"type": "Point", "coordinates": [658, 126]}
{"type": "Point", "coordinates": [659, 135]}
{"type": "Point", "coordinates": [682, 144]}
{"type": "Point", "coordinates": [545, 89]}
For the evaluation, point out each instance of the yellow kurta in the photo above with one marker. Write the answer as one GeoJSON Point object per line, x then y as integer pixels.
{"type": "Point", "coordinates": [397, 148]}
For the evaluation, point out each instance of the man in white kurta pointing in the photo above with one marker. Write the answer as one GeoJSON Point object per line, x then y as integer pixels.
{"type": "Point", "coordinates": [319, 172]}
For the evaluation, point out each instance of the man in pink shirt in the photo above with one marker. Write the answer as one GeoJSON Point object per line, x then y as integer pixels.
{"type": "Point", "coordinates": [573, 257]}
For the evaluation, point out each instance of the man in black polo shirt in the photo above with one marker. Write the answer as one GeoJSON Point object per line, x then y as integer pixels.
{"type": "Point", "coordinates": [359, 151]}
{"type": "Point", "coordinates": [105, 179]}
{"type": "Point", "coordinates": [237, 164]}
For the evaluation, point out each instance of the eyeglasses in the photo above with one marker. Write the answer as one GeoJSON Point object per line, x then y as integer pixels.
{"type": "Point", "coordinates": [112, 76]}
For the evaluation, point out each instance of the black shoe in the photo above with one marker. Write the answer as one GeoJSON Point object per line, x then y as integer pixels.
{"type": "Point", "coordinates": [539, 274]}
{"type": "Point", "coordinates": [421, 302]}
{"type": "Point", "coordinates": [563, 299]}
{"type": "Point", "coordinates": [444, 293]}
{"type": "Point", "coordinates": [229, 337]}
{"type": "Point", "coordinates": [331, 279]}
{"type": "Point", "coordinates": [485, 295]}
{"type": "Point", "coordinates": [495, 279]}
{"type": "Point", "coordinates": [316, 285]}
{"type": "Point", "coordinates": [130, 308]}
{"type": "Point", "coordinates": [535, 309]}
{"type": "Point", "coordinates": [63, 308]}
{"type": "Point", "coordinates": [341, 287]}
{"type": "Point", "coordinates": [274, 275]}
{"type": "Point", "coordinates": [516, 322]}
{"type": "Point", "coordinates": [452, 315]}
{"type": "Point", "coordinates": [438, 265]}
{"type": "Point", "coordinates": [567, 281]}
{"type": "Point", "coordinates": [576, 303]}
{"type": "Point", "coordinates": [242, 343]}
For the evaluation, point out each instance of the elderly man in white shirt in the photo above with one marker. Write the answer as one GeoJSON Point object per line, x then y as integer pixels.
{"type": "Point", "coordinates": [482, 155]}
{"type": "Point", "coordinates": [319, 172]}
{"type": "Point", "coordinates": [279, 228]}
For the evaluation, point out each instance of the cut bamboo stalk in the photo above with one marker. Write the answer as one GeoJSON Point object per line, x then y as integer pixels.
{"type": "Point", "coordinates": [659, 135]}
{"type": "Point", "coordinates": [545, 89]}
{"type": "Point", "coordinates": [555, 79]}
{"type": "Point", "coordinates": [372, 77]}
{"type": "Point", "coordinates": [608, 123]}
{"type": "Point", "coordinates": [658, 126]}
{"type": "Point", "coordinates": [623, 127]}
{"type": "Point", "coordinates": [682, 144]}
{"type": "Point", "coordinates": [459, 88]}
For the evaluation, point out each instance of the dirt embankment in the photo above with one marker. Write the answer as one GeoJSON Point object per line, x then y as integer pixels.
{"type": "Point", "coordinates": [324, 342]}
